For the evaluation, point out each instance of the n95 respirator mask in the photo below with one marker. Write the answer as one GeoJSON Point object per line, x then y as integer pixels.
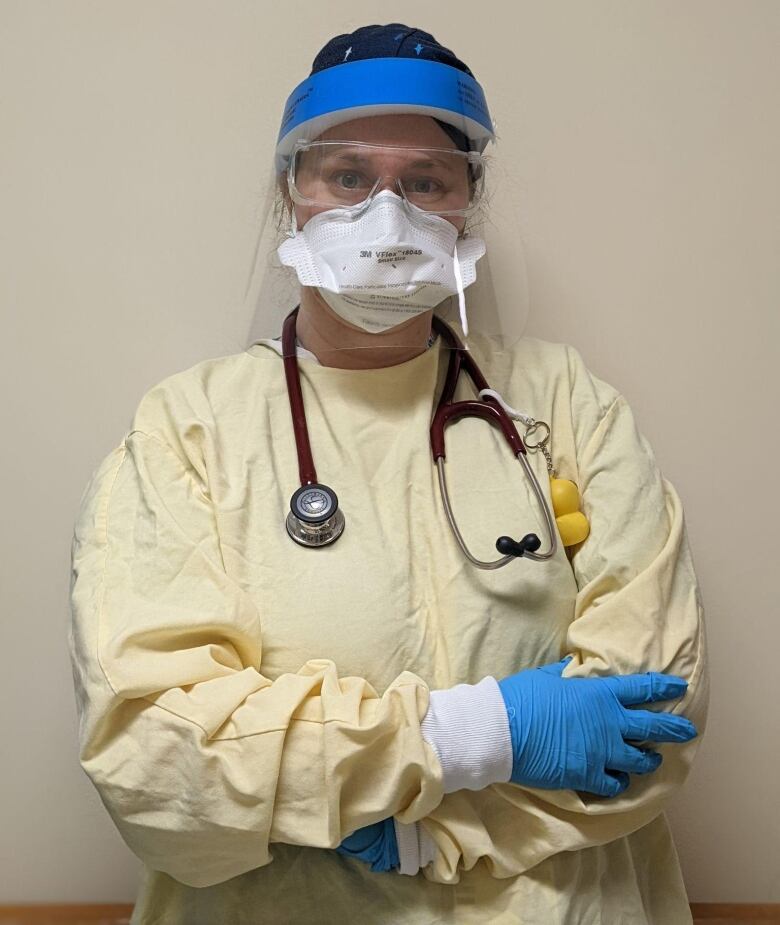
{"type": "Point", "coordinates": [381, 265]}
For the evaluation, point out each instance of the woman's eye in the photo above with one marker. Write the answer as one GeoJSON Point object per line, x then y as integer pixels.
{"type": "Point", "coordinates": [348, 180]}
{"type": "Point", "coordinates": [423, 185]}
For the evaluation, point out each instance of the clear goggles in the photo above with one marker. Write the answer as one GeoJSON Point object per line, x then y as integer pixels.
{"type": "Point", "coordinates": [347, 174]}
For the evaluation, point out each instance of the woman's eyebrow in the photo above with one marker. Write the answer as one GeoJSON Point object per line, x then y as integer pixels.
{"type": "Point", "coordinates": [362, 159]}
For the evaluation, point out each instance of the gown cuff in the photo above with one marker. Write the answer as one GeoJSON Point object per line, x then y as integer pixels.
{"type": "Point", "coordinates": [416, 848]}
{"type": "Point", "coordinates": [468, 727]}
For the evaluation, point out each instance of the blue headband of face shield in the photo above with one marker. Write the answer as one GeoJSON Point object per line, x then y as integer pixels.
{"type": "Point", "coordinates": [384, 86]}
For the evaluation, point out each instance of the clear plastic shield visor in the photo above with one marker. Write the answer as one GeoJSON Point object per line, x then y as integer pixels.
{"type": "Point", "coordinates": [378, 244]}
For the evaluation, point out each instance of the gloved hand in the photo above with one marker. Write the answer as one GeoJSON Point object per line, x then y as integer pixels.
{"type": "Point", "coordinates": [569, 733]}
{"type": "Point", "coordinates": [375, 844]}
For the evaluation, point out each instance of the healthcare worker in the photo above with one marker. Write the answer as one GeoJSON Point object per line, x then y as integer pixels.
{"type": "Point", "coordinates": [298, 713]}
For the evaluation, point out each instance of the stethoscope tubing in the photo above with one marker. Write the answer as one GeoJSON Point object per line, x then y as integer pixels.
{"type": "Point", "coordinates": [306, 471]}
{"type": "Point", "coordinates": [446, 412]}
{"type": "Point", "coordinates": [497, 563]}
{"type": "Point", "coordinates": [487, 408]}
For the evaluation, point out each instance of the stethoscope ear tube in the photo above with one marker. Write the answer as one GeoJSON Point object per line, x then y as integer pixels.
{"type": "Point", "coordinates": [510, 548]}
{"type": "Point", "coordinates": [448, 411]}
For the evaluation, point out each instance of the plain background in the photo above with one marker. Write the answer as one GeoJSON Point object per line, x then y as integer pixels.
{"type": "Point", "coordinates": [639, 146]}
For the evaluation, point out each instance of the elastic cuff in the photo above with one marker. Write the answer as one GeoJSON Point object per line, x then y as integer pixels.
{"type": "Point", "coordinates": [468, 727]}
{"type": "Point", "coordinates": [427, 847]}
{"type": "Point", "coordinates": [416, 848]}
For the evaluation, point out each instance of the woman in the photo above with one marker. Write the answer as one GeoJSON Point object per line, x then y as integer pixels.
{"type": "Point", "coordinates": [279, 731]}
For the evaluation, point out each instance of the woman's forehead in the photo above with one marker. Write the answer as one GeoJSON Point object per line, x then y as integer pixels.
{"type": "Point", "coordinates": [398, 128]}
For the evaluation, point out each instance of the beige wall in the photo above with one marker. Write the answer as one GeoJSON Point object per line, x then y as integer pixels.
{"type": "Point", "coordinates": [639, 150]}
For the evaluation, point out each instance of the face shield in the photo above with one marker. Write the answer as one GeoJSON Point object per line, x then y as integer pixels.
{"type": "Point", "coordinates": [382, 225]}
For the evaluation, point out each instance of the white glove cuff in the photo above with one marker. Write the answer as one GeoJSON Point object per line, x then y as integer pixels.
{"type": "Point", "coordinates": [416, 848]}
{"type": "Point", "coordinates": [468, 727]}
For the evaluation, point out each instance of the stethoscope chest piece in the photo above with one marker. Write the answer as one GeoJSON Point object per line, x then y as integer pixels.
{"type": "Point", "coordinates": [315, 518]}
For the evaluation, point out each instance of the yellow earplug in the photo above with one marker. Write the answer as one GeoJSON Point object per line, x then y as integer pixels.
{"type": "Point", "coordinates": [572, 524]}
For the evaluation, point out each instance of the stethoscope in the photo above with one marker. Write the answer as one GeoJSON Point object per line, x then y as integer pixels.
{"type": "Point", "coordinates": [315, 518]}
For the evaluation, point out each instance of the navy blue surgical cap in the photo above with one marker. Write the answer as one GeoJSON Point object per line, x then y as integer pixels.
{"type": "Point", "coordinates": [394, 40]}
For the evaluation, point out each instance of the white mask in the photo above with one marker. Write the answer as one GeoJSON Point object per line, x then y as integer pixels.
{"type": "Point", "coordinates": [384, 264]}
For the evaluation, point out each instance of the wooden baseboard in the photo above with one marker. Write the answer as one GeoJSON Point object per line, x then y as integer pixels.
{"type": "Point", "coordinates": [66, 914]}
{"type": "Point", "coordinates": [736, 913]}
{"type": "Point", "coordinates": [704, 913]}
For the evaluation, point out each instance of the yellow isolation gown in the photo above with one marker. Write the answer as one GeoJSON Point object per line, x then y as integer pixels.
{"type": "Point", "coordinates": [245, 703]}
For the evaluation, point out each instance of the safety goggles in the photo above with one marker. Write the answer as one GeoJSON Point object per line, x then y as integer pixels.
{"type": "Point", "coordinates": [348, 174]}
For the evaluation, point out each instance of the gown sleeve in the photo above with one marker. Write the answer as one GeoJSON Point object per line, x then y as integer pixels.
{"type": "Point", "coordinates": [201, 760]}
{"type": "Point", "coordinates": [638, 608]}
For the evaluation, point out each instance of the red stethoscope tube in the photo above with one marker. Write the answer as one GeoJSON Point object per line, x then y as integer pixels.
{"type": "Point", "coordinates": [448, 410]}
{"type": "Point", "coordinates": [315, 519]}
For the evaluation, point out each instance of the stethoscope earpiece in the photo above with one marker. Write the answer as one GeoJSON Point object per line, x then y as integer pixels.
{"type": "Point", "coordinates": [509, 547]}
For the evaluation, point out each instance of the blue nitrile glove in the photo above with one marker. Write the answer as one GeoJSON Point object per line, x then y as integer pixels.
{"type": "Point", "coordinates": [569, 733]}
{"type": "Point", "coordinates": [375, 844]}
